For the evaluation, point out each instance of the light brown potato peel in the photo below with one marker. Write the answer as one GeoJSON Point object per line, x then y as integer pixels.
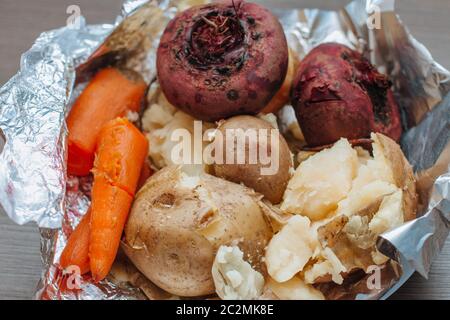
{"type": "Point", "coordinates": [178, 222]}
{"type": "Point", "coordinates": [402, 173]}
{"type": "Point", "coordinates": [272, 186]}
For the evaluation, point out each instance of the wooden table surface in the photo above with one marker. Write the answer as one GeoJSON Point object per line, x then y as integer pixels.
{"type": "Point", "coordinates": [21, 21]}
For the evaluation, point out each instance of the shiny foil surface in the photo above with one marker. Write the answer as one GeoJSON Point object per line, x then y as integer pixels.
{"type": "Point", "coordinates": [34, 103]}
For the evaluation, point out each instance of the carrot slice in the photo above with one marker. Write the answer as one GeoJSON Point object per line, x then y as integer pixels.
{"type": "Point", "coordinates": [121, 153]}
{"type": "Point", "coordinates": [110, 206]}
{"type": "Point", "coordinates": [110, 94]}
{"type": "Point", "coordinates": [76, 251]}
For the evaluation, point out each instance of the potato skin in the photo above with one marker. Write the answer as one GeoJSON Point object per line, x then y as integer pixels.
{"type": "Point", "coordinates": [403, 174]}
{"type": "Point", "coordinates": [238, 79]}
{"type": "Point", "coordinates": [170, 234]}
{"type": "Point", "coordinates": [271, 186]}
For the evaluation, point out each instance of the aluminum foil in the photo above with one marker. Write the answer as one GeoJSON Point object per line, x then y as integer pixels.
{"type": "Point", "coordinates": [34, 103]}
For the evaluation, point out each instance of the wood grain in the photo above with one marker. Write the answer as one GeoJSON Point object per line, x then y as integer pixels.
{"type": "Point", "coordinates": [21, 21]}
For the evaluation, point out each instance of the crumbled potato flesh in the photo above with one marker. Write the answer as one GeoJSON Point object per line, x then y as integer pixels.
{"type": "Point", "coordinates": [351, 198]}
{"type": "Point", "coordinates": [321, 181]}
{"type": "Point", "coordinates": [159, 121]}
{"type": "Point", "coordinates": [294, 289]}
{"type": "Point", "coordinates": [233, 277]}
{"type": "Point", "coordinates": [290, 249]}
{"type": "Point", "coordinates": [328, 265]}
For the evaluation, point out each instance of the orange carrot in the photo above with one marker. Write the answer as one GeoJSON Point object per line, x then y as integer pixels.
{"type": "Point", "coordinates": [110, 206]}
{"type": "Point", "coordinates": [76, 251]}
{"type": "Point", "coordinates": [110, 94]}
{"type": "Point", "coordinates": [121, 152]}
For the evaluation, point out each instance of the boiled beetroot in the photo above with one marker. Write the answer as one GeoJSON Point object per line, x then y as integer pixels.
{"type": "Point", "coordinates": [338, 93]}
{"type": "Point", "coordinates": [218, 60]}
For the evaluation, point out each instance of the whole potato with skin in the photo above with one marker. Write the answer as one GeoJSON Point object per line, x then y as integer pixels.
{"type": "Point", "coordinates": [272, 186]}
{"type": "Point", "coordinates": [222, 59]}
{"type": "Point", "coordinates": [178, 222]}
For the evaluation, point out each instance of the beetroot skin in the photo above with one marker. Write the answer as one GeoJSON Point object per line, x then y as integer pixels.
{"type": "Point", "coordinates": [223, 59]}
{"type": "Point", "coordinates": [338, 93]}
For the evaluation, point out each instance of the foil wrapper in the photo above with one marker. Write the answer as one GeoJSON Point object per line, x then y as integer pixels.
{"type": "Point", "coordinates": [34, 103]}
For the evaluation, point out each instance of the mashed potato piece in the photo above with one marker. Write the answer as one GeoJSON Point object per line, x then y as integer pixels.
{"type": "Point", "coordinates": [159, 122]}
{"type": "Point", "coordinates": [364, 196]}
{"type": "Point", "coordinates": [290, 249]}
{"type": "Point", "coordinates": [390, 214]}
{"type": "Point", "coordinates": [294, 289]}
{"type": "Point", "coordinates": [351, 197]}
{"type": "Point", "coordinates": [233, 277]}
{"type": "Point", "coordinates": [327, 265]}
{"type": "Point", "coordinates": [321, 181]}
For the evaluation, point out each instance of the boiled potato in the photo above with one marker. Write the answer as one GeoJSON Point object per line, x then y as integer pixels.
{"type": "Point", "coordinates": [402, 173]}
{"type": "Point", "coordinates": [269, 179]}
{"type": "Point", "coordinates": [327, 268]}
{"type": "Point", "coordinates": [294, 289]}
{"type": "Point", "coordinates": [159, 122]}
{"type": "Point", "coordinates": [321, 181]}
{"type": "Point", "coordinates": [290, 249]}
{"type": "Point", "coordinates": [234, 278]}
{"type": "Point", "coordinates": [179, 220]}
{"type": "Point", "coordinates": [123, 272]}
{"type": "Point", "coordinates": [351, 196]}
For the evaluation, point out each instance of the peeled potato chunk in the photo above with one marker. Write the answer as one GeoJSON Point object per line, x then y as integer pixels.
{"type": "Point", "coordinates": [321, 181]}
{"type": "Point", "coordinates": [360, 198]}
{"type": "Point", "coordinates": [294, 289]}
{"type": "Point", "coordinates": [390, 214]}
{"type": "Point", "coordinates": [290, 249]}
{"type": "Point", "coordinates": [328, 265]}
{"type": "Point", "coordinates": [234, 278]}
{"type": "Point", "coordinates": [351, 196]}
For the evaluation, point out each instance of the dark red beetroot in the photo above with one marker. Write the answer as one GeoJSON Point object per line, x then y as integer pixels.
{"type": "Point", "coordinates": [338, 93]}
{"type": "Point", "coordinates": [223, 59]}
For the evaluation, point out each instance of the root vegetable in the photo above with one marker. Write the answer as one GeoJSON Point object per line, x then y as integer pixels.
{"type": "Point", "coordinates": [338, 93]}
{"type": "Point", "coordinates": [109, 209]}
{"type": "Point", "coordinates": [178, 222]}
{"type": "Point", "coordinates": [222, 59]}
{"type": "Point", "coordinates": [258, 140]}
{"type": "Point", "coordinates": [121, 152]}
{"type": "Point", "coordinates": [110, 94]}
{"type": "Point", "coordinates": [76, 250]}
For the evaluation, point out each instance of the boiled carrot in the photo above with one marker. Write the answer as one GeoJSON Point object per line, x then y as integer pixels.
{"type": "Point", "coordinates": [110, 206]}
{"type": "Point", "coordinates": [121, 153]}
{"type": "Point", "coordinates": [110, 94]}
{"type": "Point", "coordinates": [76, 251]}
{"type": "Point", "coordinates": [120, 156]}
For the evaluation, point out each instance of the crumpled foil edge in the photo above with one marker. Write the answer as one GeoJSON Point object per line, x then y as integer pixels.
{"type": "Point", "coordinates": [34, 103]}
